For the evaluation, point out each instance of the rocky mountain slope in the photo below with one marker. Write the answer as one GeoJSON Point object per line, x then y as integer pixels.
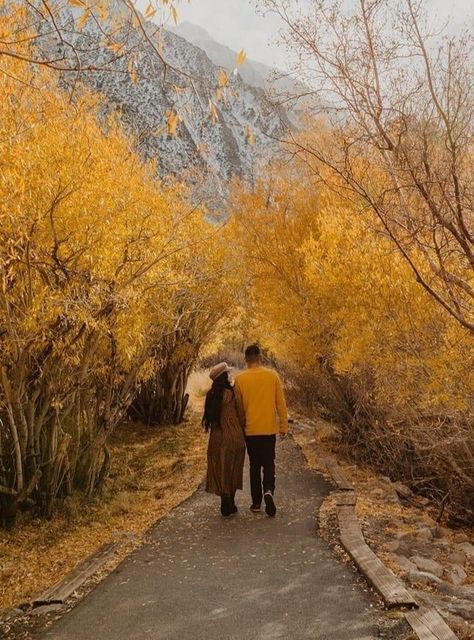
{"type": "Point", "coordinates": [228, 139]}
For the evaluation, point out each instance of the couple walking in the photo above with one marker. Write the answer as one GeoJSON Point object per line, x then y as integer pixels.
{"type": "Point", "coordinates": [249, 414]}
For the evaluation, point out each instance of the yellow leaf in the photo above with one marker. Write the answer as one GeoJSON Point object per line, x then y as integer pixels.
{"type": "Point", "coordinates": [150, 11]}
{"type": "Point", "coordinates": [218, 94]}
{"type": "Point", "coordinates": [174, 13]}
{"type": "Point", "coordinates": [213, 111]}
{"type": "Point", "coordinates": [250, 137]}
{"type": "Point", "coordinates": [115, 47]}
{"type": "Point", "coordinates": [172, 122]}
{"type": "Point", "coordinates": [136, 22]}
{"type": "Point", "coordinates": [223, 79]}
{"type": "Point", "coordinates": [77, 3]}
{"type": "Point", "coordinates": [102, 10]}
{"type": "Point", "coordinates": [241, 58]}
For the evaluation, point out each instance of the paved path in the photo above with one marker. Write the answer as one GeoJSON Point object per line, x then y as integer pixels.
{"type": "Point", "coordinates": [202, 577]}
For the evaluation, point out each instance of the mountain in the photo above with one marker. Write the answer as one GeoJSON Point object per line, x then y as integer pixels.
{"type": "Point", "coordinates": [142, 91]}
{"type": "Point", "coordinates": [252, 72]}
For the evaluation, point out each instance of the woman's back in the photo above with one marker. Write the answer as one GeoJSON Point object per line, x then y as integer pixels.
{"type": "Point", "coordinates": [226, 450]}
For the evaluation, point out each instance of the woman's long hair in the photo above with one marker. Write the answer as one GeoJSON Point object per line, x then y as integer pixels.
{"type": "Point", "coordinates": [213, 405]}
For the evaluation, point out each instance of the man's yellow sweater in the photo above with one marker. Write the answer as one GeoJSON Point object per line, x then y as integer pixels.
{"type": "Point", "coordinates": [261, 393]}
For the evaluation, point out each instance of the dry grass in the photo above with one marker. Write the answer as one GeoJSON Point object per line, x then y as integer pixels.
{"type": "Point", "coordinates": [199, 384]}
{"type": "Point", "coordinates": [152, 471]}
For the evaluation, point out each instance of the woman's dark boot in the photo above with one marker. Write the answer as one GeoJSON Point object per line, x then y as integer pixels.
{"type": "Point", "coordinates": [226, 506]}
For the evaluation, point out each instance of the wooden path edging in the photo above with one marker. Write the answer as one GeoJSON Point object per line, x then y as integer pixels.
{"type": "Point", "coordinates": [390, 587]}
{"type": "Point", "coordinates": [427, 623]}
{"type": "Point", "coordinates": [337, 475]}
{"type": "Point", "coordinates": [58, 593]}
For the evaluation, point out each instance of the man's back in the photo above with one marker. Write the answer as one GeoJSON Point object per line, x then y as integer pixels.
{"type": "Point", "coordinates": [263, 401]}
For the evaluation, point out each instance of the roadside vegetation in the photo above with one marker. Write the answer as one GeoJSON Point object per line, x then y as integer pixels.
{"type": "Point", "coordinates": [351, 263]}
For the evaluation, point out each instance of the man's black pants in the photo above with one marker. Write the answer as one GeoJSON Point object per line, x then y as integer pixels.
{"type": "Point", "coordinates": [261, 450]}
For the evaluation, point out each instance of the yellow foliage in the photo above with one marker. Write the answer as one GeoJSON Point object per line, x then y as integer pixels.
{"type": "Point", "coordinates": [323, 282]}
{"type": "Point", "coordinates": [223, 79]}
{"type": "Point", "coordinates": [240, 58]}
{"type": "Point", "coordinates": [100, 264]}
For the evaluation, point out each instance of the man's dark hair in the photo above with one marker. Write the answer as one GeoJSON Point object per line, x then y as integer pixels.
{"type": "Point", "coordinates": [252, 352]}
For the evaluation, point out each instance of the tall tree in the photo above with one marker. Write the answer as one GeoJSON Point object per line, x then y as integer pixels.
{"type": "Point", "coordinates": [400, 99]}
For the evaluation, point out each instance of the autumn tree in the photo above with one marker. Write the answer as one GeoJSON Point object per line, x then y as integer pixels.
{"type": "Point", "coordinates": [333, 301]}
{"type": "Point", "coordinates": [101, 265]}
{"type": "Point", "coordinates": [400, 99]}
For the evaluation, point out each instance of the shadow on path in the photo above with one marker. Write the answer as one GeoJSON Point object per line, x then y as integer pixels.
{"type": "Point", "coordinates": [250, 577]}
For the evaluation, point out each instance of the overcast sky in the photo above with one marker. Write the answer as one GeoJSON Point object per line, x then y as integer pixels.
{"type": "Point", "coordinates": [236, 24]}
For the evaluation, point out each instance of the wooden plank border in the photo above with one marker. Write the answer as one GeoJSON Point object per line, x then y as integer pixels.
{"type": "Point", "coordinates": [426, 623]}
{"type": "Point", "coordinates": [337, 475]}
{"type": "Point", "coordinates": [62, 590]}
{"type": "Point", "coordinates": [390, 587]}
{"type": "Point", "coordinates": [429, 625]}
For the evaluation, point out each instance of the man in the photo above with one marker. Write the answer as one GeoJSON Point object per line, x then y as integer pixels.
{"type": "Point", "coordinates": [261, 393]}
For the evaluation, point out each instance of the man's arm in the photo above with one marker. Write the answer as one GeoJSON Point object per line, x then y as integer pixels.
{"type": "Point", "coordinates": [240, 405]}
{"type": "Point", "coordinates": [281, 408]}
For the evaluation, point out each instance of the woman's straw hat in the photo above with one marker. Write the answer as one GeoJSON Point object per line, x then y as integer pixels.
{"type": "Point", "coordinates": [219, 369]}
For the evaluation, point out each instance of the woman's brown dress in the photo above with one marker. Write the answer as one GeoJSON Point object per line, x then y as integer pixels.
{"type": "Point", "coordinates": [226, 450]}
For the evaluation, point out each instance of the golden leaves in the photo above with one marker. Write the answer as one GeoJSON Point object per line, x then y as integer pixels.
{"type": "Point", "coordinates": [250, 136]}
{"type": "Point", "coordinates": [77, 3]}
{"type": "Point", "coordinates": [172, 121]}
{"type": "Point", "coordinates": [115, 47]}
{"type": "Point", "coordinates": [174, 14]}
{"type": "Point", "coordinates": [223, 78]}
{"type": "Point", "coordinates": [150, 11]}
{"type": "Point", "coordinates": [213, 111]}
{"type": "Point", "coordinates": [240, 58]}
{"type": "Point", "coordinates": [103, 10]}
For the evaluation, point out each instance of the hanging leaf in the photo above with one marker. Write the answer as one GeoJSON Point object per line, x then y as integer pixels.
{"type": "Point", "coordinates": [116, 47]}
{"type": "Point", "coordinates": [223, 79]}
{"type": "Point", "coordinates": [218, 94]}
{"type": "Point", "coordinates": [103, 10]}
{"type": "Point", "coordinates": [135, 20]}
{"type": "Point", "coordinates": [241, 58]}
{"type": "Point", "coordinates": [172, 121]}
{"type": "Point", "coordinates": [250, 136]}
{"type": "Point", "coordinates": [174, 13]}
{"type": "Point", "coordinates": [150, 11]}
{"type": "Point", "coordinates": [77, 3]}
{"type": "Point", "coordinates": [213, 111]}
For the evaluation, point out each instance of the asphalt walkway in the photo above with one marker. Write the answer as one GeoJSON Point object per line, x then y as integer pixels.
{"type": "Point", "coordinates": [250, 577]}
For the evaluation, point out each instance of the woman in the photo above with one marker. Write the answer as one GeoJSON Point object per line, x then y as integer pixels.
{"type": "Point", "coordinates": [226, 449]}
